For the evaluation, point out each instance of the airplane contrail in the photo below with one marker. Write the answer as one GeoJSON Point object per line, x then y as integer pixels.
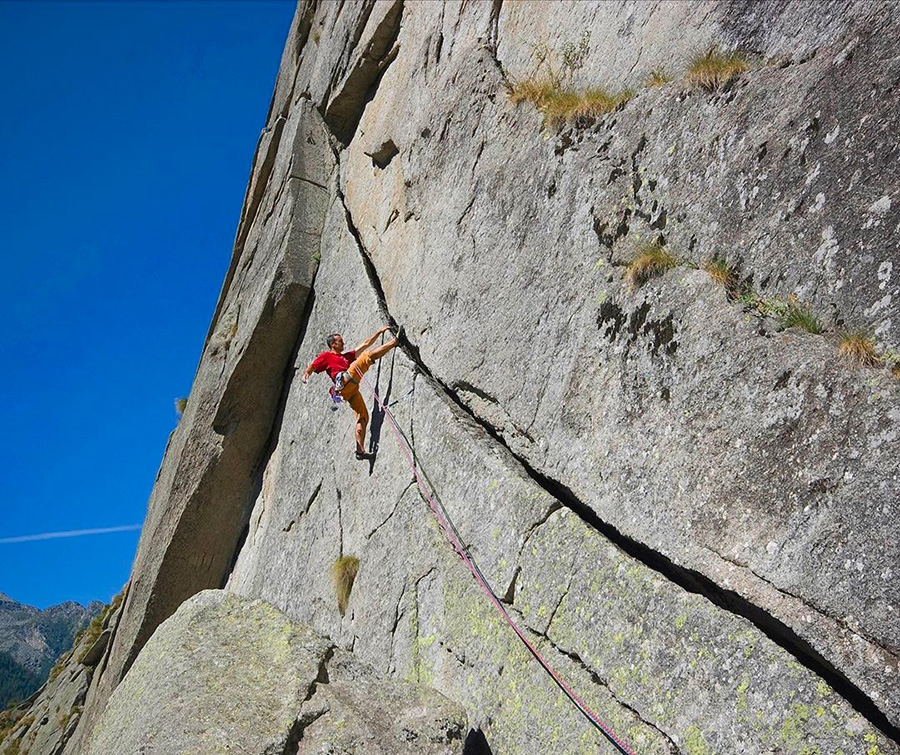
{"type": "Point", "coordinates": [70, 533]}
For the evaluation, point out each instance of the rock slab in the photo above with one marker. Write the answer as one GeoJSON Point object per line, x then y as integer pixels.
{"type": "Point", "coordinates": [225, 674]}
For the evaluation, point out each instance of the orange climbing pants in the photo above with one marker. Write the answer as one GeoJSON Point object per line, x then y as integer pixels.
{"type": "Point", "coordinates": [350, 392]}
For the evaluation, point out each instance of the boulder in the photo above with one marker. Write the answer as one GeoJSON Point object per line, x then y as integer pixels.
{"type": "Point", "coordinates": [230, 675]}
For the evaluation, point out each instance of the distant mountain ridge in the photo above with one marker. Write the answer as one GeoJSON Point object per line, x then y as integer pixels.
{"type": "Point", "coordinates": [31, 639]}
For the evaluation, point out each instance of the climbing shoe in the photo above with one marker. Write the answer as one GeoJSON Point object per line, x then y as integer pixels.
{"type": "Point", "coordinates": [363, 456]}
{"type": "Point", "coordinates": [397, 331]}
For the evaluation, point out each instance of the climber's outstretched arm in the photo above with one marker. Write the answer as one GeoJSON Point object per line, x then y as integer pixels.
{"type": "Point", "coordinates": [371, 339]}
{"type": "Point", "coordinates": [316, 365]}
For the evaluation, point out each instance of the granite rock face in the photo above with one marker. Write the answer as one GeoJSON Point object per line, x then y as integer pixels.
{"type": "Point", "coordinates": [230, 675]}
{"type": "Point", "coordinates": [44, 723]}
{"type": "Point", "coordinates": [688, 507]}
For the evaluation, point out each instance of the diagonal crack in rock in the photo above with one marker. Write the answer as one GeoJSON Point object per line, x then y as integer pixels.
{"type": "Point", "coordinates": [595, 678]}
{"type": "Point", "coordinates": [800, 599]}
{"type": "Point", "coordinates": [688, 579]}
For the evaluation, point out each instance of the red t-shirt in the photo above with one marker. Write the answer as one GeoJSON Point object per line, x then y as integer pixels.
{"type": "Point", "coordinates": [333, 363]}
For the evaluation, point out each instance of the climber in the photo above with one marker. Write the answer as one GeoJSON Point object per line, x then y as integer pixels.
{"type": "Point", "coordinates": [346, 369]}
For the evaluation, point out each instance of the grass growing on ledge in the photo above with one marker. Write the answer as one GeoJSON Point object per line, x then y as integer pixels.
{"type": "Point", "coordinates": [860, 349]}
{"type": "Point", "coordinates": [91, 633]}
{"type": "Point", "coordinates": [791, 313]}
{"type": "Point", "coordinates": [596, 102]}
{"type": "Point", "coordinates": [180, 405]}
{"type": "Point", "coordinates": [657, 77]}
{"type": "Point", "coordinates": [343, 573]}
{"type": "Point", "coordinates": [651, 260]}
{"type": "Point", "coordinates": [722, 273]}
{"type": "Point", "coordinates": [535, 91]}
{"type": "Point", "coordinates": [10, 725]}
{"type": "Point", "coordinates": [559, 104]}
{"type": "Point", "coordinates": [59, 666]}
{"type": "Point", "coordinates": [794, 314]}
{"type": "Point", "coordinates": [550, 89]}
{"type": "Point", "coordinates": [94, 629]}
{"type": "Point", "coordinates": [714, 70]}
{"type": "Point", "coordinates": [64, 719]}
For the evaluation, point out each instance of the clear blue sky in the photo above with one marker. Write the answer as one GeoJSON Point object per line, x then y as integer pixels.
{"type": "Point", "coordinates": [127, 134]}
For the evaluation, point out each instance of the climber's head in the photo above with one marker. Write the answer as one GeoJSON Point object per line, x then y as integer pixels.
{"type": "Point", "coordinates": [335, 342]}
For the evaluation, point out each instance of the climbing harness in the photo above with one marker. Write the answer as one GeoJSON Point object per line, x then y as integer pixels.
{"type": "Point", "coordinates": [341, 380]}
{"type": "Point", "coordinates": [456, 540]}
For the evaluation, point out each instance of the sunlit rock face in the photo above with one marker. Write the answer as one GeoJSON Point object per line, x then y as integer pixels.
{"type": "Point", "coordinates": [684, 495]}
{"type": "Point", "coordinates": [228, 674]}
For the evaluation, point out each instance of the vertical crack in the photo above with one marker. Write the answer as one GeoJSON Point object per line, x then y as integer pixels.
{"type": "Point", "coordinates": [558, 604]}
{"type": "Point", "coordinates": [397, 614]}
{"type": "Point", "coordinates": [312, 498]}
{"type": "Point", "coordinates": [275, 432]}
{"type": "Point", "coordinates": [494, 31]}
{"type": "Point", "coordinates": [295, 735]}
{"type": "Point", "coordinates": [340, 522]}
{"type": "Point", "coordinates": [509, 596]}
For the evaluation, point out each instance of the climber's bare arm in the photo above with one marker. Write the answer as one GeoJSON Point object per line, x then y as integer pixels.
{"type": "Point", "coordinates": [371, 339]}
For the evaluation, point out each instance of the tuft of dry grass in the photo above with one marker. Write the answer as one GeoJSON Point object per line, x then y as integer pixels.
{"type": "Point", "coordinates": [94, 629]}
{"type": "Point", "coordinates": [559, 107]}
{"type": "Point", "coordinates": [180, 405]}
{"type": "Point", "coordinates": [596, 102]}
{"type": "Point", "coordinates": [343, 572]}
{"type": "Point", "coordinates": [714, 70]}
{"type": "Point", "coordinates": [657, 77]}
{"type": "Point", "coordinates": [8, 720]}
{"type": "Point", "coordinates": [537, 91]}
{"type": "Point", "coordinates": [895, 370]}
{"type": "Point", "coordinates": [559, 104]}
{"type": "Point", "coordinates": [722, 273]}
{"type": "Point", "coordinates": [92, 633]}
{"type": "Point", "coordinates": [860, 349]}
{"type": "Point", "coordinates": [651, 260]}
{"type": "Point", "coordinates": [63, 720]}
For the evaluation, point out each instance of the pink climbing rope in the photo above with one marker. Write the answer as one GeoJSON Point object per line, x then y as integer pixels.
{"type": "Point", "coordinates": [451, 535]}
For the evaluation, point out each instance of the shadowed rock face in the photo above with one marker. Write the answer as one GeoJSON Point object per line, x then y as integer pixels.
{"type": "Point", "coordinates": [199, 502]}
{"type": "Point", "coordinates": [688, 507]}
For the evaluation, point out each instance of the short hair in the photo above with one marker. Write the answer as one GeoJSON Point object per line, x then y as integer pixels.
{"type": "Point", "coordinates": [332, 338]}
